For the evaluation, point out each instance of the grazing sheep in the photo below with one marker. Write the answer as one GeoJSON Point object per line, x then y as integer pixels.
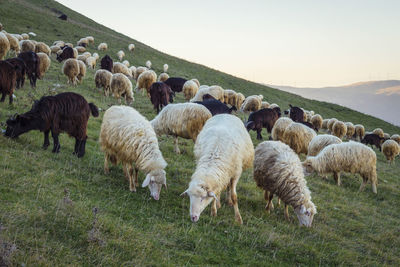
{"type": "Point", "coordinates": [379, 132]}
{"type": "Point", "coordinates": [263, 118]}
{"type": "Point", "coordinates": [350, 157]}
{"type": "Point", "coordinates": [324, 126]}
{"type": "Point", "coordinates": [331, 122]}
{"type": "Point", "coordinates": [251, 103]}
{"type": "Point", "coordinates": [54, 49]}
{"type": "Point", "coordinates": [71, 70]}
{"type": "Point", "coordinates": [196, 81]}
{"type": "Point", "coordinates": [65, 112]}
{"type": "Point", "coordinates": [20, 69]}
{"type": "Point", "coordinates": [42, 47]}
{"type": "Point", "coordinates": [31, 61]}
{"type": "Point", "coordinates": [396, 138]}
{"type": "Point", "coordinates": [160, 95]}
{"type": "Point", "coordinates": [121, 86]}
{"type": "Point", "coordinates": [148, 64]}
{"type": "Point", "coordinates": [120, 55]}
{"type": "Point", "coordinates": [230, 97]}
{"type": "Point", "coordinates": [316, 121]}
{"type": "Point", "coordinates": [87, 54]}
{"type": "Point", "coordinates": [90, 39]}
{"type": "Point", "coordinates": [44, 64]}
{"type": "Point", "coordinates": [240, 100]}
{"type": "Point", "coordinates": [373, 139]}
{"type": "Point", "coordinates": [184, 120]}
{"type": "Point", "coordinates": [118, 67]}
{"type": "Point", "coordinates": [59, 43]}
{"type": "Point", "coordinates": [298, 137]}
{"type": "Point", "coordinates": [223, 150]}
{"type": "Point", "coordinates": [106, 63]}
{"type": "Point", "coordinates": [126, 63]}
{"type": "Point", "coordinates": [127, 137]}
{"type": "Point", "coordinates": [102, 79]}
{"type": "Point", "coordinates": [215, 106]}
{"type": "Point", "coordinates": [8, 77]}
{"type": "Point", "coordinates": [25, 36]}
{"type": "Point", "coordinates": [190, 89]}
{"type": "Point", "coordinates": [145, 80]}
{"type": "Point", "coordinates": [215, 91]}
{"type": "Point", "coordinates": [296, 114]}
{"type": "Point", "coordinates": [82, 71]}
{"type": "Point", "coordinates": [339, 129]}
{"type": "Point", "coordinates": [83, 42]}
{"type": "Point", "coordinates": [14, 43]}
{"type": "Point", "coordinates": [82, 58]}
{"type": "Point", "coordinates": [66, 53]}
{"type": "Point", "coordinates": [4, 45]}
{"type": "Point", "coordinates": [278, 170]}
{"type": "Point", "coordinates": [359, 132]}
{"type": "Point", "coordinates": [165, 67]}
{"type": "Point", "coordinates": [273, 105]}
{"type": "Point", "coordinates": [319, 142]}
{"type": "Point", "coordinates": [102, 47]}
{"type": "Point", "coordinates": [96, 56]}
{"type": "Point", "coordinates": [139, 70]}
{"type": "Point", "coordinates": [163, 77]}
{"type": "Point", "coordinates": [18, 36]}
{"type": "Point", "coordinates": [91, 62]}
{"type": "Point", "coordinates": [279, 128]}
{"type": "Point", "coordinates": [386, 136]}
{"type": "Point", "coordinates": [390, 149]}
{"type": "Point", "coordinates": [69, 45]}
{"type": "Point", "coordinates": [131, 47]}
{"type": "Point", "coordinates": [80, 49]}
{"type": "Point", "coordinates": [264, 104]}
{"type": "Point", "coordinates": [132, 69]}
{"type": "Point", "coordinates": [75, 52]}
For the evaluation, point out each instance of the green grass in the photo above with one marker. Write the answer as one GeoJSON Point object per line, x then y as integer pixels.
{"type": "Point", "coordinates": [351, 228]}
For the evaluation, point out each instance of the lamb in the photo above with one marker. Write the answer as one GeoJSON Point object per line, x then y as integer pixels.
{"type": "Point", "coordinates": [121, 68]}
{"type": "Point", "coordinates": [120, 55]}
{"type": "Point", "coordinates": [71, 70]}
{"type": "Point", "coordinates": [240, 100]}
{"type": "Point", "coordinates": [316, 121]}
{"type": "Point", "coordinates": [102, 47]}
{"type": "Point", "coordinates": [379, 132]}
{"type": "Point", "coordinates": [140, 70]}
{"type": "Point", "coordinates": [126, 63]}
{"type": "Point", "coordinates": [163, 77]}
{"type": "Point", "coordinates": [184, 120]}
{"type": "Point", "coordinates": [396, 138]}
{"type": "Point", "coordinates": [41, 47]}
{"type": "Point", "coordinates": [106, 63]}
{"type": "Point", "coordinates": [298, 137]}
{"type": "Point", "coordinates": [190, 89]}
{"type": "Point", "coordinates": [165, 68]}
{"type": "Point", "coordinates": [350, 130]}
{"type": "Point", "coordinates": [8, 79]}
{"type": "Point", "coordinates": [82, 71]}
{"type": "Point", "coordinates": [216, 91]}
{"type": "Point", "coordinates": [44, 64]}
{"type": "Point", "coordinates": [31, 61]}
{"type": "Point", "coordinates": [131, 47]}
{"type": "Point", "coordinates": [102, 79]}
{"type": "Point", "coordinates": [279, 128]}
{"type": "Point", "coordinates": [339, 129]}
{"type": "Point", "coordinates": [121, 86]}
{"type": "Point", "coordinates": [148, 64]}
{"type": "Point", "coordinates": [262, 118]}
{"type": "Point", "coordinates": [91, 62]}
{"type": "Point", "coordinates": [350, 157]}
{"type": "Point", "coordinates": [390, 149]}
{"type": "Point", "coordinates": [278, 170]}
{"type": "Point", "coordinates": [251, 103]}
{"type": "Point", "coordinates": [65, 112]}
{"type": "Point", "coordinates": [145, 80]}
{"type": "Point", "coordinates": [127, 137]}
{"type": "Point", "coordinates": [223, 150]}
{"type": "Point", "coordinates": [20, 69]}
{"type": "Point", "coordinates": [359, 132]}
{"type": "Point", "coordinates": [331, 122]}
{"type": "Point", "coordinates": [160, 95]}
{"type": "Point", "coordinates": [373, 139]}
{"type": "Point", "coordinates": [4, 45]}
{"type": "Point", "coordinates": [319, 142]}
{"type": "Point", "coordinates": [230, 97]}
{"type": "Point", "coordinates": [27, 46]}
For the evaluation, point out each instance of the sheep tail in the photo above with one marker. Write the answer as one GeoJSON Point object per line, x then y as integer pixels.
{"type": "Point", "coordinates": [94, 110]}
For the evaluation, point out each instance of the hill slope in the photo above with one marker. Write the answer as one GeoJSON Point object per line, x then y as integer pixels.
{"type": "Point", "coordinates": [377, 98]}
{"type": "Point", "coordinates": [37, 217]}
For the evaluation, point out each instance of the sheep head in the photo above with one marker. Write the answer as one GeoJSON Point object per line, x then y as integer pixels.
{"type": "Point", "coordinates": [155, 180]}
{"type": "Point", "coordinates": [305, 215]}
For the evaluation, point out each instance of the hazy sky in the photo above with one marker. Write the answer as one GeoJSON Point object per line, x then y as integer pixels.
{"type": "Point", "coordinates": [298, 43]}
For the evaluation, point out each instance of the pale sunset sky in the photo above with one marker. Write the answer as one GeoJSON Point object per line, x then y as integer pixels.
{"type": "Point", "coordinates": [308, 43]}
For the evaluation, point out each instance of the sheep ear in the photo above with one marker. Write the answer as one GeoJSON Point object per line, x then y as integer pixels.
{"type": "Point", "coordinates": [184, 194]}
{"type": "Point", "coordinates": [146, 181]}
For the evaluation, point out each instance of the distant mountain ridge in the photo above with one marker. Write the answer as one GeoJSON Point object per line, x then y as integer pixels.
{"type": "Point", "coordinates": [377, 98]}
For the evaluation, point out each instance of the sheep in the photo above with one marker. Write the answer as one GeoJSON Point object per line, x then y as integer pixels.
{"type": "Point", "coordinates": [190, 89]}
{"type": "Point", "coordinates": [4, 45]}
{"type": "Point", "coordinates": [145, 80]}
{"type": "Point", "coordinates": [102, 47]}
{"type": "Point", "coordinates": [96, 56]}
{"type": "Point", "coordinates": [279, 128]}
{"type": "Point", "coordinates": [20, 68]}
{"type": "Point", "coordinates": [32, 34]}
{"type": "Point", "coordinates": [298, 137]}
{"type": "Point", "coordinates": [350, 130]}
{"type": "Point", "coordinates": [359, 132]}
{"type": "Point", "coordinates": [176, 83]}
{"type": "Point", "coordinates": [319, 142]}
{"type": "Point", "coordinates": [83, 42]}
{"type": "Point", "coordinates": [65, 112]}
{"type": "Point", "coordinates": [396, 138]}
{"type": "Point", "coordinates": [107, 63]}
{"type": "Point", "coordinates": [316, 121]}
{"type": "Point", "coordinates": [82, 58]}
{"type": "Point", "coordinates": [274, 105]}
{"type": "Point", "coordinates": [148, 64]}
{"type": "Point", "coordinates": [25, 36]}
{"type": "Point", "coordinates": [80, 49]}
{"type": "Point", "coordinates": [251, 103]}
{"type": "Point", "coordinates": [126, 63]}
{"type": "Point", "coordinates": [127, 137]}
{"type": "Point", "coordinates": [87, 54]}
{"type": "Point", "coordinates": [66, 53]}
{"type": "Point", "coordinates": [132, 69]}
{"type": "Point", "coordinates": [42, 47]}
{"type": "Point", "coordinates": [82, 71]}
{"type": "Point", "coordinates": [90, 39]}
{"type": "Point", "coordinates": [118, 67]}
{"type": "Point", "coordinates": [240, 100]}
{"type": "Point", "coordinates": [14, 43]}
{"type": "Point", "coordinates": [71, 70]}
{"type": "Point", "coordinates": [131, 47]}
{"type": "Point", "coordinates": [278, 170]}
{"type": "Point", "coordinates": [69, 45]}
{"type": "Point", "coordinates": [8, 77]}
{"type": "Point", "coordinates": [265, 117]}
{"type": "Point", "coordinates": [102, 78]}
{"type": "Point", "coordinates": [59, 43]}
{"type": "Point", "coordinates": [184, 120]}
{"type": "Point", "coordinates": [230, 97]}
{"type": "Point", "coordinates": [163, 77]}
{"type": "Point", "coordinates": [386, 136]}
{"type": "Point", "coordinates": [75, 53]}
{"type": "Point", "coordinates": [296, 114]}
{"type": "Point", "coordinates": [373, 139]}
{"type": "Point", "coordinates": [223, 150]}
{"type": "Point", "coordinates": [160, 95]}
{"type": "Point", "coordinates": [165, 67]}
{"type": "Point", "coordinates": [139, 70]}
{"type": "Point", "coordinates": [91, 62]}
{"type": "Point", "coordinates": [44, 64]}
{"type": "Point", "coordinates": [215, 91]}
{"type": "Point", "coordinates": [379, 132]}
{"type": "Point", "coordinates": [264, 104]}
{"type": "Point", "coordinates": [196, 81]}
{"type": "Point", "coordinates": [330, 124]}
{"type": "Point", "coordinates": [54, 49]}
{"type": "Point", "coordinates": [339, 129]}
{"type": "Point", "coordinates": [121, 86]}
{"type": "Point", "coordinates": [390, 149]}
{"type": "Point", "coordinates": [120, 55]}
{"type": "Point", "coordinates": [350, 157]}
{"type": "Point", "coordinates": [215, 106]}
{"type": "Point", "coordinates": [18, 36]}
{"type": "Point", "coordinates": [324, 126]}
{"type": "Point", "coordinates": [31, 61]}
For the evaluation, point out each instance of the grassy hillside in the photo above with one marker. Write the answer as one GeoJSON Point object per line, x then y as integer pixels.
{"type": "Point", "coordinates": [40, 224]}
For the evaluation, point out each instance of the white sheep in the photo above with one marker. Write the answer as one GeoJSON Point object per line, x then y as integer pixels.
{"type": "Point", "coordinates": [32, 34]}
{"type": "Point", "coordinates": [240, 100]}
{"type": "Point", "coordinates": [316, 121]}
{"type": "Point", "coordinates": [184, 120]}
{"type": "Point", "coordinates": [42, 47]}
{"type": "Point", "coordinates": [145, 80]}
{"type": "Point", "coordinates": [82, 71]}
{"type": "Point", "coordinates": [359, 132]}
{"type": "Point", "coordinates": [131, 47]}
{"type": "Point", "coordinates": [230, 97]}
{"type": "Point", "coordinates": [189, 89]}
{"type": "Point", "coordinates": [350, 157]}
{"type": "Point", "coordinates": [4, 45]}
{"type": "Point", "coordinates": [148, 64]}
{"type": "Point", "coordinates": [298, 137]}
{"type": "Point", "coordinates": [350, 130]}
{"type": "Point", "coordinates": [71, 70]}
{"type": "Point", "coordinates": [83, 42]}
{"type": "Point", "coordinates": [396, 138]}
{"type": "Point", "coordinates": [278, 170]}
{"type": "Point", "coordinates": [223, 150]}
{"type": "Point", "coordinates": [127, 137]}
{"type": "Point", "coordinates": [215, 91]}
{"type": "Point", "coordinates": [14, 43]}
{"type": "Point", "coordinates": [126, 63]}
{"type": "Point", "coordinates": [96, 56]}
{"type": "Point", "coordinates": [390, 149]}
{"type": "Point", "coordinates": [120, 55]}
{"type": "Point", "coordinates": [25, 36]}
{"type": "Point", "coordinates": [324, 126]}
{"type": "Point", "coordinates": [121, 86]}
{"type": "Point", "coordinates": [102, 78]}
{"type": "Point", "coordinates": [165, 67]}
{"type": "Point", "coordinates": [163, 77]}
{"type": "Point", "coordinates": [330, 124]}
{"type": "Point", "coordinates": [80, 49]}
{"type": "Point", "coordinates": [44, 64]}
{"type": "Point", "coordinates": [90, 39]}
{"type": "Point", "coordinates": [118, 67]}
{"type": "Point", "coordinates": [251, 103]}
{"type": "Point", "coordinates": [102, 47]}
{"type": "Point", "coordinates": [139, 70]}
{"type": "Point", "coordinates": [54, 49]}
{"type": "Point", "coordinates": [196, 81]}
{"type": "Point", "coordinates": [87, 54]}
{"type": "Point", "coordinates": [91, 62]}
{"type": "Point", "coordinates": [279, 128]}
{"type": "Point", "coordinates": [379, 132]}
{"type": "Point", "coordinates": [319, 142]}
{"type": "Point", "coordinates": [339, 129]}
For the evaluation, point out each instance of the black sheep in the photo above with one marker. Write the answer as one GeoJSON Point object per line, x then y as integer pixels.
{"type": "Point", "coordinates": [263, 118]}
{"type": "Point", "coordinates": [373, 139]}
{"type": "Point", "coordinates": [176, 83]}
{"type": "Point", "coordinates": [106, 63]}
{"type": "Point", "coordinates": [31, 61]}
{"type": "Point", "coordinates": [216, 106]}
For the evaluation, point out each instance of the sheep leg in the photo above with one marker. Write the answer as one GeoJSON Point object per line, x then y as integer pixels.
{"type": "Point", "coordinates": [46, 142]}
{"type": "Point", "coordinates": [364, 182]}
{"type": "Point", "coordinates": [56, 142]}
{"type": "Point", "coordinates": [176, 146]}
{"type": "Point", "coordinates": [279, 202]}
{"type": "Point", "coordinates": [238, 217]}
{"type": "Point", "coordinates": [219, 202]}
{"type": "Point", "coordinates": [214, 208]}
{"type": "Point", "coordinates": [259, 136]}
{"type": "Point", "coordinates": [81, 148]}
{"type": "Point", "coordinates": [229, 195]}
{"type": "Point", "coordinates": [10, 99]}
{"type": "Point", "coordinates": [287, 212]}
{"type": "Point", "coordinates": [106, 168]}
{"type": "Point", "coordinates": [129, 174]}
{"type": "Point", "coordinates": [374, 188]}
{"type": "Point", "coordinates": [3, 97]}
{"type": "Point", "coordinates": [336, 176]}
{"type": "Point", "coordinates": [136, 177]}
{"type": "Point", "coordinates": [268, 197]}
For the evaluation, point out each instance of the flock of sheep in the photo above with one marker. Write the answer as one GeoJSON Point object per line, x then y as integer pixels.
{"type": "Point", "coordinates": [223, 147]}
